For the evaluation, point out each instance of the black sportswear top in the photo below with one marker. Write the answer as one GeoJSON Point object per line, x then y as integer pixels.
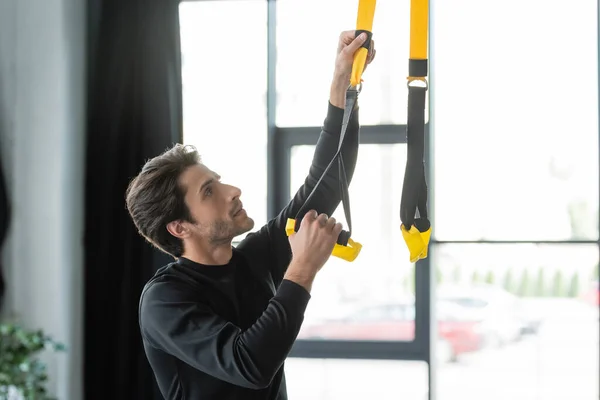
{"type": "Point", "coordinates": [223, 332]}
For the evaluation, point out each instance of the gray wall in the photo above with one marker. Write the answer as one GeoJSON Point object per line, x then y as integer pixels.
{"type": "Point", "coordinates": [42, 139]}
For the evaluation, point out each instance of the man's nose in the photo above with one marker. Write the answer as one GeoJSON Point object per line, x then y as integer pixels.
{"type": "Point", "coordinates": [234, 192]}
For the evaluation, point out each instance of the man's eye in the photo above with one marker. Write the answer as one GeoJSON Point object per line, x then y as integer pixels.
{"type": "Point", "coordinates": [208, 191]}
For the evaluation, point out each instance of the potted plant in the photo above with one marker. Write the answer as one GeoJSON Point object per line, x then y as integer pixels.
{"type": "Point", "coordinates": [22, 375]}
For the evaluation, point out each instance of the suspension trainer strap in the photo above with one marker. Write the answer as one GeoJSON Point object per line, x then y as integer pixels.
{"type": "Point", "coordinates": [416, 227]}
{"type": "Point", "coordinates": [345, 248]}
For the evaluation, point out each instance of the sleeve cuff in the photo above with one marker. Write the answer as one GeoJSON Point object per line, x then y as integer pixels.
{"type": "Point", "coordinates": [335, 116]}
{"type": "Point", "coordinates": [333, 121]}
{"type": "Point", "coordinates": [293, 296]}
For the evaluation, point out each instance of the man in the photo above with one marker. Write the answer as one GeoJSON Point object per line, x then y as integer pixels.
{"type": "Point", "coordinates": [219, 322]}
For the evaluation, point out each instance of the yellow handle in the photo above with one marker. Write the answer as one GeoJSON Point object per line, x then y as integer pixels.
{"type": "Point", "coordinates": [417, 242]}
{"type": "Point", "coordinates": [348, 253]}
{"type": "Point", "coordinates": [364, 21]}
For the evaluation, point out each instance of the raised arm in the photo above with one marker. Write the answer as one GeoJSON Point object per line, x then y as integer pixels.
{"type": "Point", "coordinates": [328, 195]}
{"type": "Point", "coordinates": [272, 240]}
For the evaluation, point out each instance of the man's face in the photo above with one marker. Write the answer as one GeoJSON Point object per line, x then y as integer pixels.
{"type": "Point", "coordinates": [215, 207]}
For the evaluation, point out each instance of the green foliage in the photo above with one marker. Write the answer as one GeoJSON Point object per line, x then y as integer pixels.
{"type": "Point", "coordinates": [574, 285]}
{"type": "Point", "coordinates": [524, 286]}
{"type": "Point", "coordinates": [475, 278]}
{"type": "Point", "coordinates": [541, 283]}
{"type": "Point", "coordinates": [489, 277]}
{"type": "Point", "coordinates": [19, 366]}
{"type": "Point", "coordinates": [558, 285]}
{"type": "Point", "coordinates": [509, 282]}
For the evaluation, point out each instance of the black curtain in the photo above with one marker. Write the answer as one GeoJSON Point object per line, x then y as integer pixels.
{"type": "Point", "coordinates": [134, 113]}
{"type": "Point", "coordinates": [4, 218]}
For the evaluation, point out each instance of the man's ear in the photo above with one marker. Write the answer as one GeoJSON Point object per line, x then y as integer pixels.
{"type": "Point", "coordinates": [178, 229]}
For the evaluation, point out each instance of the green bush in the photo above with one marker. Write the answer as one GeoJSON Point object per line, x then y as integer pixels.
{"type": "Point", "coordinates": [509, 282]}
{"type": "Point", "coordinates": [524, 285]}
{"type": "Point", "coordinates": [20, 369]}
{"type": "Point", "coordinates": [541, 283]}
{"type": "Point", "coordinates": [558, 285]}
{"type": "Point", "coordinates": [574, 286]}
{"type": "Point", "coordinates": [475, 278]}
{"type": "Point", "coordinates": [489, 277]}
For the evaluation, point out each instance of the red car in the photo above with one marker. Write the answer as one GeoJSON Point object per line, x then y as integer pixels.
{"type": "Point", "coordinates": [396, 322]}
{"type": "Point", "coordinates": [592, 296]}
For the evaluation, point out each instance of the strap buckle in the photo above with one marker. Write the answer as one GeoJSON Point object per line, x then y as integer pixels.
{"type": "Point", "coordinates": [355, 88]}
{"type": "Point", "coordinates": [417, 82]}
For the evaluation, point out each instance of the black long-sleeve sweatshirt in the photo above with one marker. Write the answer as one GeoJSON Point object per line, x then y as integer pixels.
{"type": "Point", "coordinates": [223, 332]}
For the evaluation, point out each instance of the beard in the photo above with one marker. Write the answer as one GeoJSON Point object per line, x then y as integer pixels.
{"type": "Point", "coordinates": [223, 231]}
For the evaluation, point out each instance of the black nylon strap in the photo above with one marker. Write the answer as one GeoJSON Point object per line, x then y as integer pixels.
{"type": "Point", "coordinates": [414, 190]}
{"type": "Point", "coordinates": [351, 97]}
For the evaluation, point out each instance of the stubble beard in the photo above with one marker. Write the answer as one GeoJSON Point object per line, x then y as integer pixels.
{"type": "Point", "coordinates": [222, 232]}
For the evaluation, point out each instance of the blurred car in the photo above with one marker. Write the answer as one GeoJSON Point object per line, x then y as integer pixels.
{"type": "Point", "coordinates": [504, 316]}
{"type": "Point", "coordinates": [592, 295]}
{"type": "Point", "coordinates": [396, 322]}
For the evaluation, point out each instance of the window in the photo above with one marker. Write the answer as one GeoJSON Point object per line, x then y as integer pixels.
{"type": "Point", "coordinates": [528, 326]}
{"type": "Point", "coordinates": [367, 298]}
{"type": "Point", "coordinates": [516, 159]}
{"type": "Point", "coordinates": [307, 34]}
{"type": "Point", "coordinates": [224, 93]}
{"type": "Point", "coordinates": [312, 379]}
{"type": "Point", "coordinates": [516, 120]}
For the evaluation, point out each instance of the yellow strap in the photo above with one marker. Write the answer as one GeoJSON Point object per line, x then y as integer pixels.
{"type": "Point", "coordinates": [364, 21]}
{"type": "Point", "coordinates": [419, 24]}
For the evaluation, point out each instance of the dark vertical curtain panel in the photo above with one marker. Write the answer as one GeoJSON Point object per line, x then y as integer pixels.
{"type": "Point", "coordinates": [4, 218]}
{"type": "Point", "coordinates": [134, 113]}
